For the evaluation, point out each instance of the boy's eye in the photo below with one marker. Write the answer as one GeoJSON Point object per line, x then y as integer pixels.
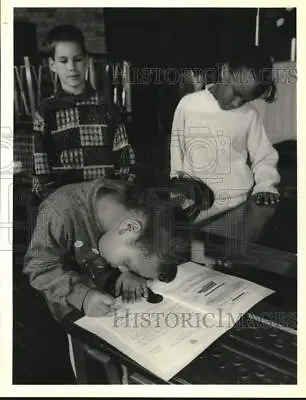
{"type": "Point", "coordinates": [64, 61]}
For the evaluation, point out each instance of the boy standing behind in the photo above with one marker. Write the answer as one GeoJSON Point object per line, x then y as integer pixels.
{"type": "Point", "coordinates": [78, 134]}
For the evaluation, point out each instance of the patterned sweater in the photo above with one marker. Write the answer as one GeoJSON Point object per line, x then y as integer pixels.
{"type": "Point", "coordinates": [79, 138]}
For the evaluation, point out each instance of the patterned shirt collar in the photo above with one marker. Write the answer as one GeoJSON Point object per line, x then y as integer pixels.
{"type": "Point", "coordinates": [88, 91]}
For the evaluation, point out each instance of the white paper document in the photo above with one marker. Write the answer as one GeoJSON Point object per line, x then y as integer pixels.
{"type": "Point", "coordinates": [197, 308]}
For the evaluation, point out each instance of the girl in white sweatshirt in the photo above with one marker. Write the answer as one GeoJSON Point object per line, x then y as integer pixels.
{"type": "Point", "coordinates": [218, 136]}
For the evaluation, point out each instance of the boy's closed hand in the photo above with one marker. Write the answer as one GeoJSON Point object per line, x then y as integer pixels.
{"type": "Point", "coordinates": [131, 287]}
{"type": "Point", "coordinates": [266, 198]}
{"type": "Point", "coordinates": [97, 304]}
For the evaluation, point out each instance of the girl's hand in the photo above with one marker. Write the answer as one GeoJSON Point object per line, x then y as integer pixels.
{"type": "Point", "coordinates": [223, 265]}
{"type": "Point", "coordinates": [266, 198]}
{"type": "Point", "coordinates": [131, 287]}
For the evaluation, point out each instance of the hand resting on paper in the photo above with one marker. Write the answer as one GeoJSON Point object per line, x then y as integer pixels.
{"type": "Point", "coordinates": [131, 287]}
{"type": "Point", "coordinates": [222, 264]}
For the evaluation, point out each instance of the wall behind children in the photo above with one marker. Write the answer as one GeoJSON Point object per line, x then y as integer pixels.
{"type": "Point", "coordinates": [90, 22]}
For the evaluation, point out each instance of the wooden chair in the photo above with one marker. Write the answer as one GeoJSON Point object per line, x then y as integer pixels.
{"type": "Point", "coordinates": [29, 82]}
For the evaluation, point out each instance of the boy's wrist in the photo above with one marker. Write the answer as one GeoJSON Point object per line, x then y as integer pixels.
{"type": "Point", "coordinates": [86, 297]}
{"type": "Point", "coordinates": [77, 296]}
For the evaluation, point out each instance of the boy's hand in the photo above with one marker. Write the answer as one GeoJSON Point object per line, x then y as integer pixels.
{"type": "Point", "coordinates": [97, 304]}
{"type": "Point", "coordinates": [131, 287]}
{"type": "Point", "coordinates": [266, 198]}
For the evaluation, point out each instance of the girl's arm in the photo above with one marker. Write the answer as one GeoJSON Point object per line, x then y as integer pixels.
{"type": "Point", "coordinates": [263, 157]}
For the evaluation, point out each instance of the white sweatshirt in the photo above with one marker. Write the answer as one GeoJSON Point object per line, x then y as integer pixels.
{"type": "Point", "coordinates": [214, 145]}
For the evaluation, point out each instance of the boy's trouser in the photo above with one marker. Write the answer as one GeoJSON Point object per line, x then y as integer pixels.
{"type": "Point", "coordinates": [72, 360]}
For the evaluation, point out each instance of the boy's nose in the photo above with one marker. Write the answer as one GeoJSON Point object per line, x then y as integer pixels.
{"type": "Point", "coordinates": [71, 66]}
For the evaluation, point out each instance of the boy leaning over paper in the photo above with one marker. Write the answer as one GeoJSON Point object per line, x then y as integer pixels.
{"type": "Point", "coordinates": [104, 236]}
{"type": "Point", "coordinates": [138, 230]}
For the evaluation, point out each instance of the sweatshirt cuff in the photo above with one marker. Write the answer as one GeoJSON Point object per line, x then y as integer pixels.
{"type": "Point", "coordinates": [270, 189]}
{"type": "Point", "coordinates": [77, 296]}
{"type": "Point", "coordinates": [174, 174]}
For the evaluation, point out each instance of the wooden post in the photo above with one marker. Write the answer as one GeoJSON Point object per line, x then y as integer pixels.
{"type": "Point", "coordinates": [293, 49]}
{"type": "Point", "coordinates": [21, 88]}
{"type": "Point", "coordinates": [257, 28]}
{"type": "Point", "coordinates": [126, 82]}
{"type": "Point", "coordinates": [92, 72]}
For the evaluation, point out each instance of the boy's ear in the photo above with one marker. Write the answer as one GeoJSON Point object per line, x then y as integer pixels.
{"type": "Point", "coordinates": [52, 64]}
{"type": "Point", "coordinates": [131, 226]}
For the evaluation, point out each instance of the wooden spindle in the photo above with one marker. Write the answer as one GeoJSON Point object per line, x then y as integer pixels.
{"type": "Point", "coordinates": [92, 72]}
{"type": "Point", "coordinates": [30, 85]}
